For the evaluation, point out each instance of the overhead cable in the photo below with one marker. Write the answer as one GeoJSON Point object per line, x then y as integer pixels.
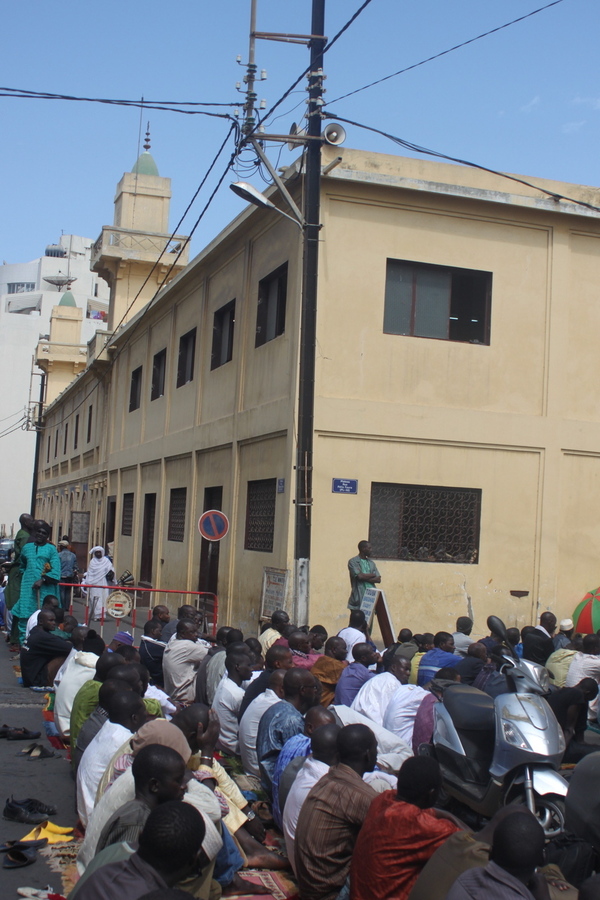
{"type": "Point", "coordinates": [449, 50]}
{"type": "Point", "coordinates": [416, 148]}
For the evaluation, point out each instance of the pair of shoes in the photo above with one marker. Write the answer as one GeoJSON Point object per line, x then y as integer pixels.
{"type": "Point", "coordinates": [35, 806]}
{"type": "Point", "coordinates": [23, 845]}
{"type": "Point", "coordinates": [14, 812]}
{"type": "Point", "coordinates": [17, 734]}
{"type": "Point", "coordinates": [54, 834]}
{"type": "Point", "coordinates": [37, 751]}
{"type": "Point", "coordinates": [15, 858]}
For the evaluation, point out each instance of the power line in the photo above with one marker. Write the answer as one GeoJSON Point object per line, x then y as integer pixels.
{"type": "Point", "coordinates": [12, 415]}
{"type": "Point", "coordinates": [445, 52]}
{"type": "Point", "coordinates": [160, 287]}
{"type": "Point", "coordinates": [416, 148]}
{"type": "Point", "coordinates": [164, 105]}
{"type": "Point", "coordinates": [327, 47]}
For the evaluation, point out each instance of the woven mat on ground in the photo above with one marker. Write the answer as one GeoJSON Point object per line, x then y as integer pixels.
{"type": "Point", "coordinates": [50, 728]}
{"type": "Point", "coordinates": [61, 858]}
{"type": "Point", "coordinates": [280, 886]}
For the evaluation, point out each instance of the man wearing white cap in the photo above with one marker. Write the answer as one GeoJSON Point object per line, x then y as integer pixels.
{"type": "Point", "coordinates": [564, 635]}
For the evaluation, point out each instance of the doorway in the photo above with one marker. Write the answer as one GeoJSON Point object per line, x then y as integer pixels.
{"type": "Point", "coordinates": [209, 550]}
{"type": "Point", "coordinates": [147, 559]}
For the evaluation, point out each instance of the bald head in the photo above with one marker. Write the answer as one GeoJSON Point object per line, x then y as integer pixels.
{"type": "Point", "coordinates": [479, 651]}
{"type": "Point", "coordinates": [301, 689]}
{"type": "Point", "coordinates": [323, 744]}
{"type": "Point", "coordinates": [78, 636]}
{"type": "Point", "coordinates": [276, 681]}
{"type": "Point", "coordinates": [357, 748]}
{"type": "Point", "coordinates": [316, 717]}
{"type": "Point", "coordinates": [336, 648]}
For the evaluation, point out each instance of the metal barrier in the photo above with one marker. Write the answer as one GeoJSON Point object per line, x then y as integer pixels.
{"type": "Point", "coordinates": [140, 600]}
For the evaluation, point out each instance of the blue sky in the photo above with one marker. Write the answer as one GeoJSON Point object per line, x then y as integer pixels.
{"type": "Point", "coordinates": [525, 100]}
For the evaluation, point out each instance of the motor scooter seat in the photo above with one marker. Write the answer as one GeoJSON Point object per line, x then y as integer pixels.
{"type": "Point", "coordinates": [470, 709]}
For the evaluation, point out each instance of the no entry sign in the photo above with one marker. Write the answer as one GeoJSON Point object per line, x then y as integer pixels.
{"type": "Point", "coordinates": [213, 525]}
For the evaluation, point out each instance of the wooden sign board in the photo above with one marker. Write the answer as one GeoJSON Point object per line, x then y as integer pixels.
{"type": "Point", "coordinates": [274, 591]}
{"type": "Point", "coordinates": [374, 603]}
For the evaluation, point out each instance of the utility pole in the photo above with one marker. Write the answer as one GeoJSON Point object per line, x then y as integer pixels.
{"type": "Point", "coordinates": [308, 220]}
{"type": "Point", "coordinates": [308, 326]}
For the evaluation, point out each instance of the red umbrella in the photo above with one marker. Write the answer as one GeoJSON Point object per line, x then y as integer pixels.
{"type": "Point", "coordinates": [586, 618]}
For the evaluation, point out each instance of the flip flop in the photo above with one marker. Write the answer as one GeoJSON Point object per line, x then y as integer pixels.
{"type": "Point", "coordinates": [23, 845]}
{"type": "Point", "coordinates": [40, 752]}
{"type": "Point", "coordinates": [16, 859]}
{"type": "Point", "coordinates": [26, 750]}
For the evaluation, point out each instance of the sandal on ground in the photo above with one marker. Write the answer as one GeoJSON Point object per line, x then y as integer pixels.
{"type": "Point", "coordinates": [19, 734]}
{"type": "Point", "coordinates": [15, 859]}
{"type": "Point", "coordinates": [23, 845]}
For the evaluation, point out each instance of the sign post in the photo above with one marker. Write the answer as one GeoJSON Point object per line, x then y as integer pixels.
{"type": "Point", "coordinates": [274, 590]}
{"type": "Point", "coordinates": [213, 525]}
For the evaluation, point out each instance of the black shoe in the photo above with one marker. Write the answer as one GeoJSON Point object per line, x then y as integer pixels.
{"type": "Point", "coordinates": [36, 806]}
{"type": "Point", "coordinates": [15, 813]}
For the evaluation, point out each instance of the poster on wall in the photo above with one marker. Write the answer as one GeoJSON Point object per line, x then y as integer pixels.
{"type": "Point", "coordinates": [80, 527]}
{"type": "Point", "coordinates": [274, 591]}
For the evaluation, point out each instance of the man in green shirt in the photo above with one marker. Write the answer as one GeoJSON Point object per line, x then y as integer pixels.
{"type": "Point", "coordinates": [363, 574]}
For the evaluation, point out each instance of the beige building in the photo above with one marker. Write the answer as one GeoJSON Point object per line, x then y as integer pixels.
{"type": "Point", "coordinates": [458, 323]}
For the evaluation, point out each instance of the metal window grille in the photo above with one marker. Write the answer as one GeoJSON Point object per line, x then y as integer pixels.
{"type": "Point", "coordinates": [127, 515]}
{"type": "Point", "coordinates": [425, 523]}
{"type": "Point", "coordinates": [177, 504]}
{"type": "Point", "coordinates": [260, 515]}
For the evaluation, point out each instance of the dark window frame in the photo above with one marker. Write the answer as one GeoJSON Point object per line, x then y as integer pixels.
{"type": "Point", "coordinates": [76, 432]}
{"type": "Point", "coordinates": [425, 523]}
{"type": "Point", "coordinates": [65, 440]}
{"type": "Point", "coordinates": [261, 502]}
{"type": "Point", "coordinates": [127, 514]}
{"type": "Point", "coordinates": [177, 514]}
{"type": "Point", "coordinates": [159, 372]}
{"type": "Point", "coordinates": [223, 331]}
{"type": "Point", "coordinates": [270, 324]}
{"type": "Point", "coordinates": [462, 307]}
{"type": "Point", "coordinates": [56, 443]}
{"type": "Point", "coordinates": [135, 388]}
{"type": "Point", "coordinates": [89, 423]}
{"type": "Point", "coordinates": [186, 358]}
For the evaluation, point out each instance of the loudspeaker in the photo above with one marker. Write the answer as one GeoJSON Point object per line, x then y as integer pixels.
{"type": "Point", "coordinates": [295, 132]}
{"type": "Point", "coordinates": [334, 134]}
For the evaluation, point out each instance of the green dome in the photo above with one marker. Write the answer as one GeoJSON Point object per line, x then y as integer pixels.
{"type": "Point", "coordinates": [145, 165]}
{"type": "Point", "coordinates": [67, 299]}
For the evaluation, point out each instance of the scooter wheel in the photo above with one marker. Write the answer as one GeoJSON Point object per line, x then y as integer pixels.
{"type": "Point", "coordinates": [549, 811]}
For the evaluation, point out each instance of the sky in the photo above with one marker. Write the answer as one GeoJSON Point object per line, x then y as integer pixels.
{"type": "Point", "coordinates": [525, 100]}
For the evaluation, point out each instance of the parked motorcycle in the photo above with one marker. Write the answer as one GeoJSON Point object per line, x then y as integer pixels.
{"type": "Point", "coordinates": [504, 750]}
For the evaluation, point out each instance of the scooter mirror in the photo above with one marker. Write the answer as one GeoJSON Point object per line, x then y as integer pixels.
{"type": "Point", "coordinates": [497, 626]}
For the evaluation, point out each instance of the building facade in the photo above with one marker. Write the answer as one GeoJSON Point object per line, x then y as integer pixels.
{"type": "Point", "coordinates": [28, 293]}
{"type": "Point", "coordinates": [457, 425]}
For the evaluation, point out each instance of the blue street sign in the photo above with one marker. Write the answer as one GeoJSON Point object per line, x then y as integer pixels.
{"type": "Point", "coordinates": [213, 525]}
{"type": "Point", "coordinates": [281, 485]}
{"type": "Point", "coordinates": [344, 486]}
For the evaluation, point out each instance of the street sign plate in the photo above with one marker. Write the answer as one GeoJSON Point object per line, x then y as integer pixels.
{"type": "Point", "coordinates": [344, 486]}
{"type": "Point", "coordinates": [213, 525]}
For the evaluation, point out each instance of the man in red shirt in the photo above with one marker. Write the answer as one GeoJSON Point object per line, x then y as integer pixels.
{"type": "Point", "coordinates": [400, 833]}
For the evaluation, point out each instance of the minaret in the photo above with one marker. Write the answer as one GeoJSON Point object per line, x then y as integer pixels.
{"type": "Point", "coordinates": [62, 357]}
{"type": "Point", "coordinates": [125, 253]}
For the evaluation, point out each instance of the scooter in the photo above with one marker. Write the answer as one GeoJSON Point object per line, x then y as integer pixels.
{"type": "Point", "coordinates": [504, 750]}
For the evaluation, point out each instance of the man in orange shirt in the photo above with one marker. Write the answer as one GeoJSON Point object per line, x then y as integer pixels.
{"type": "Point", "coordinates": [400, 833]}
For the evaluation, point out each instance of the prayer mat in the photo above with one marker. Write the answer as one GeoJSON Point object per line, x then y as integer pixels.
{"type": "Point", "coordinates": [62, 859]}
{"type": "Point", "coordinates": [50, 728]}
{"type": "Point", "coordinates": [280, 885]}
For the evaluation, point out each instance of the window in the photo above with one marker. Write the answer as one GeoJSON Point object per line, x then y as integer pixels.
{"type": "Point", "coordinates": [270, 314]}
{"type": "Point", "coordinates": [176, 527]}
{"type": "Point", "coordinates": [65, 441]}
{"type": "Point", "coordinates": [48, 450]}
{"type": "Point", "coordinates": [56, 444]}
{"type": "Point", "coordinates": [425, 523]}
{"type": "Point", "coordinates": [260, 515]}
{"type": "Point", "coordinates": [159, 367]}
{"type": "Point", "coordinates": [76, 433]}
{"type": "Point", "coordinates": [185, 362]}
{"type": "Point", "coordinates": [127, 515]}
{"type": "Point", "coordinates": [20, 287]}
{"type": "Point", "coordinates": [89, 424]}
{"type": "Point", "coordinates": [135, 389]}
{"type": "Point", "coordinates": [222, 343]}
{"type": "Point", "coordinates": [437, 302]}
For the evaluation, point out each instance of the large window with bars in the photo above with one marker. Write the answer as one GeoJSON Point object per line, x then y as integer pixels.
{"type": "Point", "coordinates": [260, 515]}
{"type": "Point", "coordinates": [127, 515]}
{"type": "Point", "coordinates": [430, 301]}
{"type": "Point", "coordinates": [425, 523]}
{"type": "Point", "coordinates": [177, 504]}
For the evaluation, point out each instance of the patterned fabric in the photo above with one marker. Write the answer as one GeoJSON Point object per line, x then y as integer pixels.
{"type": "Point", "coordinates": [278, 724]}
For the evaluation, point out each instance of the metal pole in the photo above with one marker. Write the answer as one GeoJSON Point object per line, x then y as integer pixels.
{"type": "Point", "coordinates": [38, 444]}
{"type": "Point", "coordinates": [249, 123]}
{"type": "Point", "coordinates": [306, 387]}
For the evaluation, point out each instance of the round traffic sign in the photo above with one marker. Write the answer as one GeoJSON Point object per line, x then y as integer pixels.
{"type": "Point", "coordinates": [213, 525]}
